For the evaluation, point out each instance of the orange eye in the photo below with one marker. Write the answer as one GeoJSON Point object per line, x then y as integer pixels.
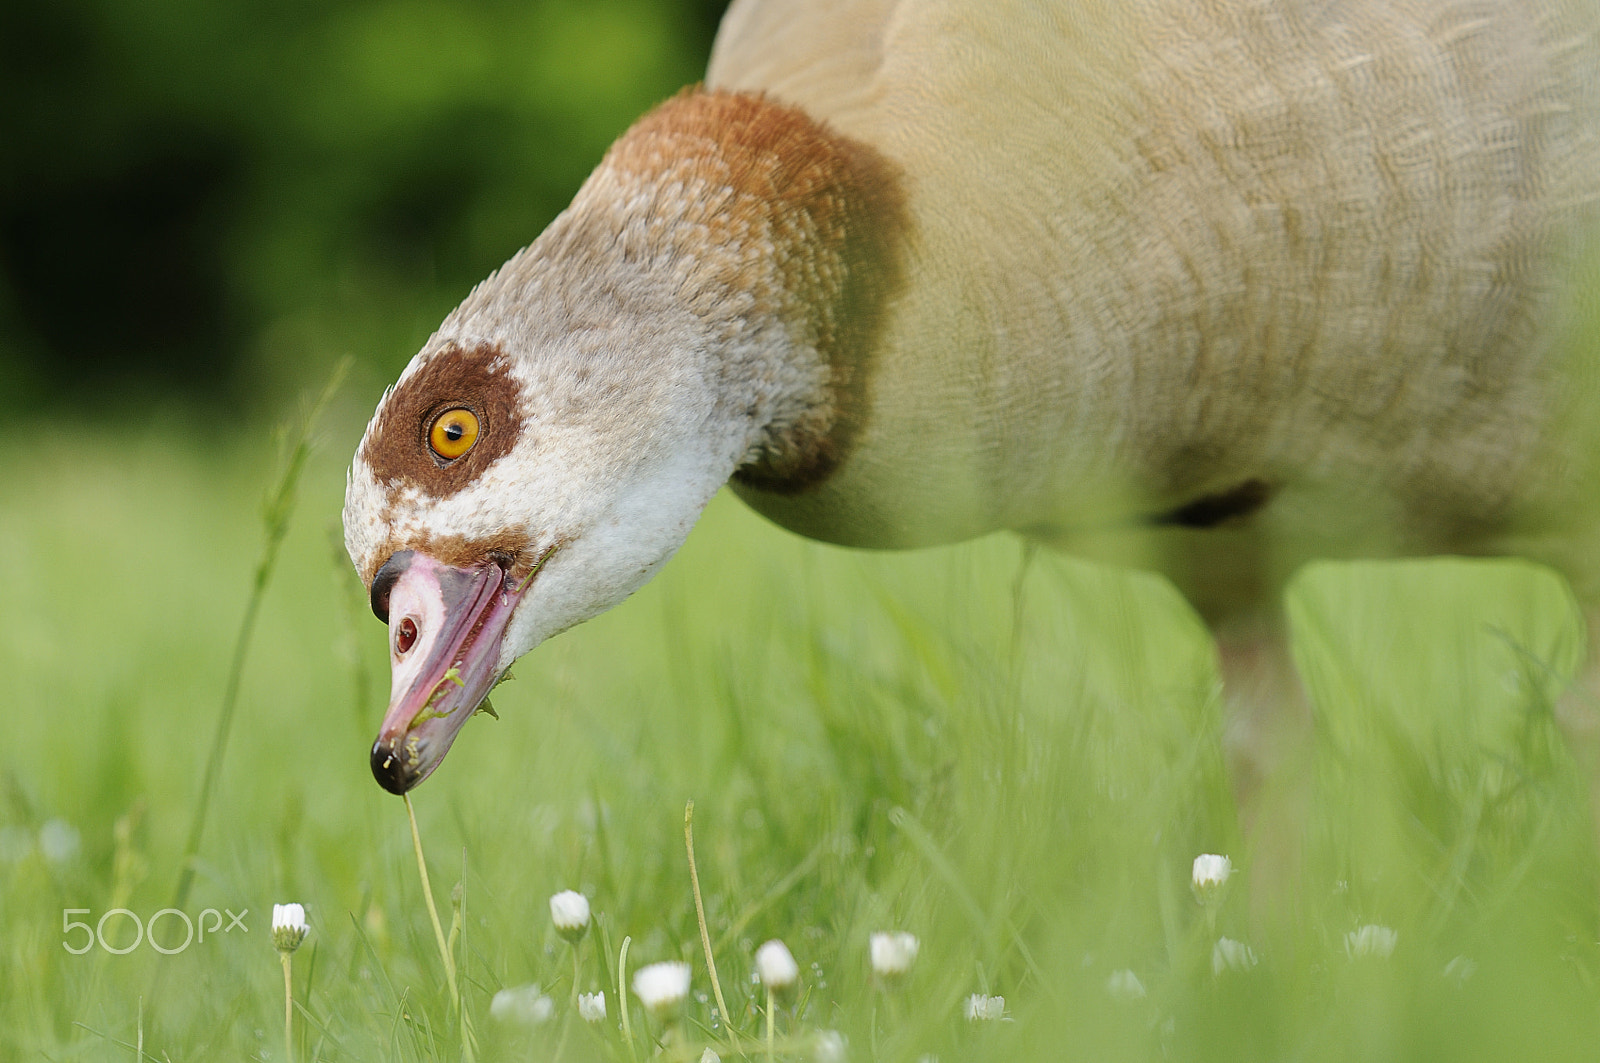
{"type": "Point", "coordinates": [453, 433]}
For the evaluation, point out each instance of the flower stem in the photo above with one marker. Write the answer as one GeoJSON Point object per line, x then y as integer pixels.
{"type": "Point", "coordinates": [288, 1008]}
{"type": "Point", "coordinates": [438, 930]}
{"type": "Point", "coordinates": [705, 936]}
{"type": "Point", "coordinates": [769, 1022]}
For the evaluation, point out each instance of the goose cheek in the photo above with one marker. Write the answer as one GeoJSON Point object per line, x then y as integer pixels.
{"type": "Point", "coordinates": [446, 626]}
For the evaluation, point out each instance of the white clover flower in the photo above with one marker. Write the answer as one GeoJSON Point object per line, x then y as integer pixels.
{"type": "Point", "coordinates": [661, 987]}
{"type": "Point", "coordinates": [1210, 874]}
{"type": "Point", "coordinates": [979, 1007]}
{"type": "Point", "coordinates": [1230, 955]}
{"type": "Point", "coordinates": [893, 953]}
{"type": "Point", "coordinates": [288, 926]}
{"type": "Point", "coordinates": [1125, 985]}
{"type": "Point", "coordinates": [775, 964]}
{"type": "Point", "coordinates": [569, 911]}
{"type": "Point", "coordinates": [829, 1047]}
{"type": "Point", "coordinates": [522, 1004]}
{"type": "Point", "coordinates": [58, 840]}
{"type": "Point", "coordinates": [1370, 940]}
{"type": "Point", "coordinates": [592, 1006]}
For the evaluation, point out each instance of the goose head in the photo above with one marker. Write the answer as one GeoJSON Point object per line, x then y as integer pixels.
{"type": "Point", "coordinates": [554, 442]}
{"type": "Point", "coordinates": [511, 485]}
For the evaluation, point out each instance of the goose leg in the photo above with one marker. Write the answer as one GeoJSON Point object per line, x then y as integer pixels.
{"type": "Point", "coordinates": [1268, 747]}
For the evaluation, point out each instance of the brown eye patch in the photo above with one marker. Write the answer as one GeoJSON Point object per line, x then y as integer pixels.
{"type": "Point", "coordinates": [399, 450]}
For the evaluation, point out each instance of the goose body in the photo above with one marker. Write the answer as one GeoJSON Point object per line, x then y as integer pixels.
{"type": "Point", "coordinates": [1215, 287]}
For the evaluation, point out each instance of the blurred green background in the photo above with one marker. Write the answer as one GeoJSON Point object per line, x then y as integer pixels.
{"type": "Point", "coordinates": [203, 202]}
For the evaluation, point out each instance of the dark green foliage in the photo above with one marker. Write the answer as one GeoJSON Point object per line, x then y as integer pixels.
{"type": "Point", "coordinates": [212, 197]}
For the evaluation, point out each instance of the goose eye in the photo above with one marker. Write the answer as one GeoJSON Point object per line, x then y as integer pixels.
{"type": "Point", "coordinates": [453, 433]}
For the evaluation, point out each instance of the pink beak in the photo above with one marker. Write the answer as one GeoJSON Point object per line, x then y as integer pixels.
{"type": "Point", "coordinates": [445, 629]}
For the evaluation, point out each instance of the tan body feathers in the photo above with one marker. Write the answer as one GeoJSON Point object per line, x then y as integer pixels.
{"type": "Point", "coordinates": [1162, 250]}
{"type": "Point", "coordinates": [1211, 286]}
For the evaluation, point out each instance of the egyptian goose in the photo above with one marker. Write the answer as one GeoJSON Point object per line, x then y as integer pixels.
{"type": "Point", "coordinates": [1236, 282]}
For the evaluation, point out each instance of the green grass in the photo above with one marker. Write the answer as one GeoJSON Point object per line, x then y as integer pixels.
{"type": "Point", "coordinates": [1016, 762]}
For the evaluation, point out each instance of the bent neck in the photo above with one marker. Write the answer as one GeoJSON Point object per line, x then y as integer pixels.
{"type": "Point", "coordinates": [779, 238]}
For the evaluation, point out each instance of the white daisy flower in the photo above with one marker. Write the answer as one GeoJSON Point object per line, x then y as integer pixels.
{"type": "Point", "coordinates": [775, 964]}
{"type": "Point", "coordinates": [661, 987]}
{"type": "Point", "coordinates": [58, 840]}
{"type": "Point", "coordinates": [592, 1006]}
{"type": "Point", "coordinates": [569, 911]}
{"type": "Point", "coordinates": [288, 926]}
{"type": "Point", "coordinates": [1210, 874]}
{"type": "Point", "coordinates": [522, 1004]}
{"type": "Point", "coordinates": [1370, 940]}
{"type": "Point", "coordinates": [978, 1007]}
{"type": "Point", "coordinates": [893, 953]}
{"type": "Point", "coordinates": [829, 1047]}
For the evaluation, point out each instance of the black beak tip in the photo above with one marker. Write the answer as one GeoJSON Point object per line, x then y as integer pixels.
{"type": "Point", "coordinates": [389, 768]}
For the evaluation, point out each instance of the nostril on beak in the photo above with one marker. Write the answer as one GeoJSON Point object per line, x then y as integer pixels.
{"type": "Point", "coordinates": [405, 635]}
{"type": "Point", "coordinates": [390, 769]}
